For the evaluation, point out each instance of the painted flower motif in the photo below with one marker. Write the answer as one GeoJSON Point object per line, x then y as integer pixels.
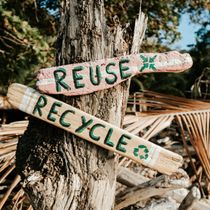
{"type": "Point", "coordinates": [148, 63]}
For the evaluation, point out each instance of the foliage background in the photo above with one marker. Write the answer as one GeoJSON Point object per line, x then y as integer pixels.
{"type": "Point", "coordinates": [28, 32]}
{"type": "Point", "coordinates": [27, 36]}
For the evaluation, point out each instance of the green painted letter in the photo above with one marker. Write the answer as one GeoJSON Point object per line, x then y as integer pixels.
{"type": "Point", "coordinates": [53, 111]}
{"type": "Point", "coordinates": [62, 122]}
{"type": "Point", "coordinates": [91, 134]}
{"type": "Point", "coordinates": [84, 125]}
{"type": "Point", "coordinates": [108, 71]}
{"type": "Point", "coordinates": [122, 142]}
{"type": "Point", "coordinates": [123, 69]}
{"type": "Point", "coordinates": [77, 77]}
{"type": "Point", "coordinates": [98, 75]}
{"type": "Point", "coordinates": [42, 102]}
{"type": "Point", "coordinates": [107, 140]}
{"type": "Point", "coordinates": [59, 79]}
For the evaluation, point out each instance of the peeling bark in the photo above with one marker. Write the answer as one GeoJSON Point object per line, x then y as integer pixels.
{"type": "Point", "coordinates": [58, 169]}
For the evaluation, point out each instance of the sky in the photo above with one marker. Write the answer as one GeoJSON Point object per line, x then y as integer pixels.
{"type": "Point", "coordinates": [187, 30]}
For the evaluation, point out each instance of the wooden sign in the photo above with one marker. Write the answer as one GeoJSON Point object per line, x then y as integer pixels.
{"type": "Point", "coordinates": [88, 77]}
{"type": "Point", "coordinates": [93, 129]}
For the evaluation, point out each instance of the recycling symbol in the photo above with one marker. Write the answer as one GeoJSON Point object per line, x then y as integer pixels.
{"type": "Point", "coordinates": [139, 150]}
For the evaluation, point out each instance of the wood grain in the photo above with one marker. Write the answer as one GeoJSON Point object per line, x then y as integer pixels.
{"type": "Point", "coordinates": [93, 129]}
{"type": "Point", "coordinates": [88, 77]}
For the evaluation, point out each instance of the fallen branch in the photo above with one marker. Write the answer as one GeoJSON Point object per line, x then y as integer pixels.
{"type": "Point", "coordinates": [142, 192]}
{"type": "Point", "coordinates": [129, 178]}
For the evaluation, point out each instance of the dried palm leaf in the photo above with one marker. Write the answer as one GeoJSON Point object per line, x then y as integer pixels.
{"type": "Point", "coordinates": [145, 126]}
{"type": "Point", "coordinates": [151, 113]}
{"type": "Point", "coordinates": [8, 141]}
{"type": "Point", "coordinates": [9, 190]}
{"type": "Point", "coordinates": [193, 116]}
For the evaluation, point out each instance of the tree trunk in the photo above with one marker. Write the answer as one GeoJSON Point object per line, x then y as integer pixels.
{"type": "Point", "coordinates": [58, 169]}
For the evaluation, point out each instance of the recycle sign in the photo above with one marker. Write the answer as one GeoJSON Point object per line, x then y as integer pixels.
{"type": "Point", "coordinates": [137, 153]}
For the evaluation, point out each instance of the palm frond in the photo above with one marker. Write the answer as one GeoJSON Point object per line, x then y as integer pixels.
{"type": "Point", "coordinates": [156, 111]}
{"type": "Point", "coordinates": [8, 141]}
{"type": "Point", "coordinates": [148, 114]}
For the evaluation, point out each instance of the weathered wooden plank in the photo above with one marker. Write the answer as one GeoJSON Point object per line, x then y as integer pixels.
{"type": "Point", "coordinates": [93, 129]}
{"type": "Point", "coordinates": [142, 192]}
{"type": "Point", "coordinates": [129, 178]}
{"type": "Point", "coordinates": [88, 77]}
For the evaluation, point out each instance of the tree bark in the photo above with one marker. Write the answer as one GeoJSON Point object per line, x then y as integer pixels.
{"type": "Point", "coordinates": [58, 169]}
